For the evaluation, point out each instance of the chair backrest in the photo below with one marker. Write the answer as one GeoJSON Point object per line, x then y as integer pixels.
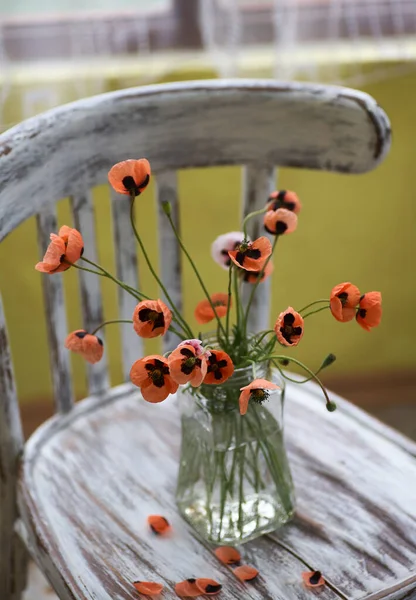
{"type": "Point", "coordinates": [256, 124]}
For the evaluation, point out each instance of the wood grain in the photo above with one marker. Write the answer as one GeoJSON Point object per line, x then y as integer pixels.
{"type": "Point", "coordinates": [91, 299]}
{"type": "Point", "coordinates": [169, 251]}
{"type": "Point", "coordinates": [116, 460]}
{"type": "Point", "coordinates": [126, 270]}
{"type": "Point", "coordinates": [13, 559]}
{"type": "Point", "coordinates": [182, 125]}
{"type": "Point", "coordinates": [56, 323]}
{"type": "Point", "coordinates": [258, 182]}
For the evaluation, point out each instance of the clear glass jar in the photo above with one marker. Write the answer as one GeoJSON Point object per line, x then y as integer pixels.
{"type": "Point", "coordinates": [234, 481]}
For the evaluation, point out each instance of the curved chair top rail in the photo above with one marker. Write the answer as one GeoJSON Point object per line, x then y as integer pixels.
{"type": "Point", "coordinates": [203, 123]}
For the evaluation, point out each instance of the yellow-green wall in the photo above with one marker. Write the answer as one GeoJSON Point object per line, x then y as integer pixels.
{"type": "Point", "coordinates": [357, 228]}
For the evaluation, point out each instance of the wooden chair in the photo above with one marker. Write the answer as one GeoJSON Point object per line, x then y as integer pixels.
{"type": "Point", "coordinates": [79, 492]}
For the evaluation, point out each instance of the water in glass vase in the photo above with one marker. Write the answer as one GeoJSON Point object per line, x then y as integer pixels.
{"type": "Point", "coordinates": [234, 480]}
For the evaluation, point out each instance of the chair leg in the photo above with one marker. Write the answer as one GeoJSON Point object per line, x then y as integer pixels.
{"type": "Point", "coordinates": [14, 560]}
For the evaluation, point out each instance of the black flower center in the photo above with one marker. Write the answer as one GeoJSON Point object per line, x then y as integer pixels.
{"type": "Point", "coordinates": [314, 579]}
{"type": "Point", "coordinates": [130, 185]}
{"type": "Point", "coordinates": [281, 202]}
{"type": "Point", "coordinates": [189, 362]}
{"type": "Point", "coordinates": [247, 251]}
{"type": "Point", "coordinates": [259, 395]}
{"type": "Point", "coordinates": [81, 334]}
{"type": "Point", "coordinates": [152, 316]}
{"type": "Point", "coordinates": [362, 312]}
{"type": "Point", "coordinates": [215, 366]}
{"type": "Point", "coordinates": [288, 330]}
{"type": "Point", "coordinates": [343, 296]}
{"type": "Point", "coordinates": [157, 372]}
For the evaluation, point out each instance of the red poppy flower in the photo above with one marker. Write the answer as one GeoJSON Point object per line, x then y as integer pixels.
{"type": "Point", "coordinates": [227, 555]}
{"type": "Point", "coordinates": [251, 256]}
{"type": "Point", "coordinates": [220, 367]}
{"type": "Point", "coordinates": [313, 579]}
{"type": "Point", "coordinates": [343, 301]}
{"type": "Point", "coordinates": [280, 221]}
{"type": "Point", "coordinates": [203, 311]}
{"type": "Point", "coordinates": [255, 391]}
{"type": "Point", "coordinates": [369, 311]}
{"type": "Point", "coordinates": [130, 176]}
{"type": "Point", "coordinates": [284, 199]}
{"type": "Point", "coordinates": [185, 365]}
{"type": "Point", "coordinates": [208, 586]}
{"type": "Point", "coordinates": [289, 327]}
{"type": "Point", "coordinates": [223, 244]}
{"type": "Point", "coordinates": [187, 588]}
{"type": "Point", "coordinates": [151, 318]}
{"type": "Point", "coordinates": [90, 347]}
{"type": "Point", "coordinates": [158, 524]}
{"type": "Point", "coordinates": [151, 375]}
{"type": "Point", "coordinates": [65, 248]}
{"type": "Point", "coordinates": [246, 573]}
{"type": "Point", "coordinates": [148, 588]}
{"type": "Point", "coordinates": [253, 276]}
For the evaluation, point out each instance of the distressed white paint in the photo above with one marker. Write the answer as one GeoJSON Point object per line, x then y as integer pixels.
{"type": "Point", "coordinates": [56, 323]}
{"type": "Point", "coordinates": [169, 251]}
{"type": "Point", "coordinates": [116, 459]}
{"type": "Point", "coordinates": [201, 123]}
{"type": "Point", "coordinates": [126, 270]}
{"type": "Point", "coordinates": [13, 556]}
{"type": "Point", "coordinates": [90, 286]}
{"type": "Point", "coordinates": [258, 183]}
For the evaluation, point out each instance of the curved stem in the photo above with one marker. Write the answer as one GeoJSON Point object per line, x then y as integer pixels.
{"type": "Point", "coordinates": [312, 304]}
{"type": "Point", "coordinates": [191, 262]}
{"type": "Point", "coordinates": [316, 311]}
{"type": "Point", "coordinates": [184, 324]}
{"type": "Point", "coordinates": [110, 323]}
{"type": "Point", "coordinates": [227, 319]}
{"type": "Point", "coordinates": [250, 216]}
{"type": "Point", "coordinates": [138, 295]}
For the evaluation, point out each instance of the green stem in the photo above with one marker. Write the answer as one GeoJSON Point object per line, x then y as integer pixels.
{"type": "Point", "coordinates": [227, 318]}
{"type": "Point", "coordinates": [241, 449]}
{"type": "Point", "coordinates": [255, 285]}
{"type": "Point", "coordinates": [250, 216]}
{"type": "Point", "coordinates": [191, 262]}
{"type": "Point", "coordinates": [183, 323]}
{"type": "Point", "coordinates": [109, 323]}
{"type": "Point", "coordinates": [312, 304]}
{"type": "Point", "coordinates": [316, 311]}
{"type": "Point", "coordinates": [138, 295]}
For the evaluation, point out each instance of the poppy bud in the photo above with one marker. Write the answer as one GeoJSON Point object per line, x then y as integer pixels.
{"type": "Point", "coordinates": [331, 406]}
{"type": "Point", "coordinates": [284, 362]}
{"type": "Point", "coordinates": [331, 358]}
{"type": "Point", "coordinates": [167, 208]}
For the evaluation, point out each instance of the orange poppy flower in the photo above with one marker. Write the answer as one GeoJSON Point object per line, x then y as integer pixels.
{"type": "Point", "coordinates": [187, 588]}
{"type": "Point", "coordinates": [224, 243]}
{"type": "Point", "coordinates": [65, 248]}
{"type": "Point", "coordinates": [246, 573]}
{"type": "Point", "coordinates": [343, 301]}
{"type": "Point", "coordinates": [90, 347]}
{"type": "Point", "coordinates": [369, 311]}
{"type": "Point", "coordinates": [251, 256]}
{"type": "Point", "coordinates": [253, 276]}
{"type": "Point", "coordinates": [158, 524]}
{"type": "Point", "coordinates": [289, 327]}
{"type": "Point", "coordinates": [185, 365]}
{"type": "Point", "coordinates": [227, 555]}
{"type": "Point", "coordinates": [284, 199]}
{"type": "Point", "coordinates": [130, 176]}
{"type": "Point", "coordinates": [151, 318]}
{"type": "Point", "coordinates": [256, 391]}
{"type": "Point", "coordinates": [313, 579]}
{"type": "Point", "coordinates": [208, 586]}
{"type": "Point", "coordinates": [148, 588]}
{"type": "Point", "coordinates": [203, 311]}
{"type": "Point", "coordinates": [151, 375]}
{"type": "Point", "coordinates": [280, 221]}
{"type": "Point", "coordinates": [220, 367]}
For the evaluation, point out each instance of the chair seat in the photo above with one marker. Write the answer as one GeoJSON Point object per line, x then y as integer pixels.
{"type": "Point", "coordinates": [89, 480]}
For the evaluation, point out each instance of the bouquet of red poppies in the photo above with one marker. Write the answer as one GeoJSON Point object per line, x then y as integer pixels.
{"type": "Point", "coordinates": [194, 361]}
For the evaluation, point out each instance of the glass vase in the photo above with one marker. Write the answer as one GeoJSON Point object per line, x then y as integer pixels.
{"type": "Point", "coordinates": [234, 481]}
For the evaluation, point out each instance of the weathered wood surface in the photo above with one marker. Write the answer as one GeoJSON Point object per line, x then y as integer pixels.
{"type": "Point", "coordinates": [56, 323]}
{"type": "Point", "coordinates": [126, 270]}
{"type": "Point", "coordinates": [13, 555]}
{"type": "Point", "coordinates": [181, 125]}
{"type": "Point", "coordinates": [90, 478]}
{"type": "Point", "coordinates": [169, 251]}
{"type": "Point", "coordinates": [258, 183]}
{"type": "Point", "coordinates": [90, 286]}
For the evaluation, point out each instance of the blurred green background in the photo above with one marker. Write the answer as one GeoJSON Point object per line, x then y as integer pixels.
{"type": "Point", "coordinates": [352, 228]}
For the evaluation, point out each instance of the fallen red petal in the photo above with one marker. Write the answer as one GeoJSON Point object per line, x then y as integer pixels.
{"type": "Point", "coordinates": [148, 588]}
{"type": "Point", "coordinates": [227, 555]}
{"type": "Point", "coordinates": [246, 573]}
{"type": "Point", "coordinates": [158, 524]}
{"type": "Point", "coordinates": [208, 586]}
{"type": "Point", "coordinates": [313, 579]}
{"type": "Point", "coordinates": [187, 589]}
